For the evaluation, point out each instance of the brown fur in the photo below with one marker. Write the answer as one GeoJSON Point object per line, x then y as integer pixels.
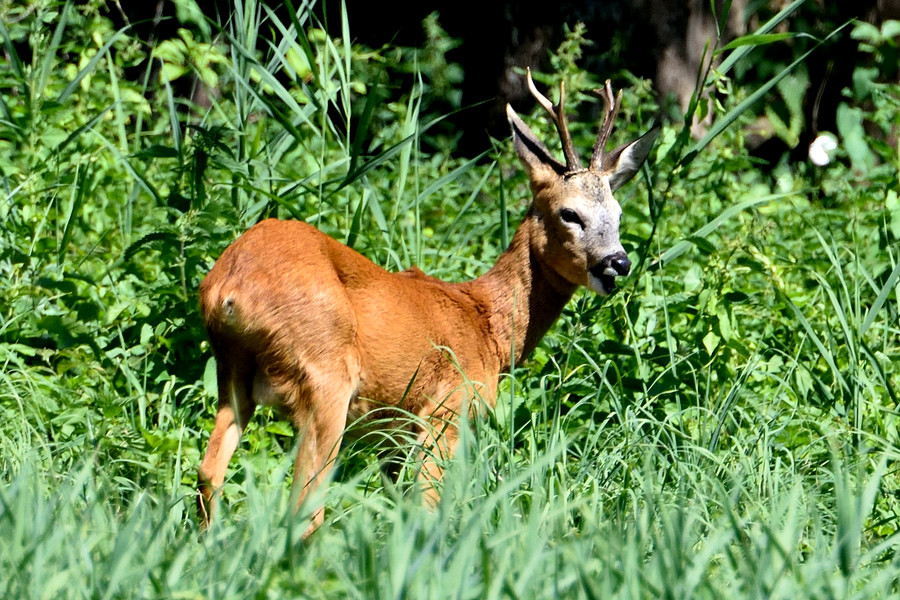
{"type": "Point", "coordinates": [301, 321]}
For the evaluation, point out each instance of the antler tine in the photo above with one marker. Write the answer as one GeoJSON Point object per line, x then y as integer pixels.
{"type": "Point", "coordinates": [558, 115]}
{"type": "Point", "coordinates": [609, 120]}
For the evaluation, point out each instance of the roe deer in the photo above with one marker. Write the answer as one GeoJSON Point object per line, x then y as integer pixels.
{"type": "Point", "coordinates": [300, 321]}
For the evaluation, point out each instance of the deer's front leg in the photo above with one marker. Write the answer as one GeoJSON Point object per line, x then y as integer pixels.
{"type": "Point", "coordinates": [321, 428]}
{"type": "Point", "coordinates": [438, 440]}
{"type": "Point", "coordinates": [439, 435]}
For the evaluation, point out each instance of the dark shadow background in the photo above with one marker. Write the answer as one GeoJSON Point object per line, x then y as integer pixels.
{"type": "Point", "coordinates": [661, 40]}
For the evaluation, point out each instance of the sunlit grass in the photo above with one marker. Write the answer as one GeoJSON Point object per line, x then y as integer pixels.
{"type": "Point", "coordinates": [725, 425]}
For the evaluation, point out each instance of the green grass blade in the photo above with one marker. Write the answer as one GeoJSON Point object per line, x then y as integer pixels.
{"type": "Point", "coordinates": [373, 98]}
{"type": "Point", "coordinates": [826, 354]}
{"type": "Point", "coordinates": [723, 122]}
{"type": "Point", "coordinates": [685, 245]}
{"type": "Point", "coordinates": [375, 162]}
{"type": "Point", "coordinates": [81, 129]}
{"type": "Point", "coordinates": [79, 195]}
{"type": "Point", "coordinates": [13, 57]}
{"type": "Point", "coordinates": [300, 31]}
{"type": "Point", "coordinates": [91, 65]}
{"type": "Point", "coordinates": [49, 54]}
{"type": "Point", "coordinates": [451, 228]}
{"type": "Point", "coordinates": [451, 176]}
{"type": "Point", "coordinates": [883, 294]}
{"type": "Point", "coordinates": [761, 39]}
{"type": "Point", "coordinates": [743, 49]}
{"type": "Point", "coordinates": [356, 221]}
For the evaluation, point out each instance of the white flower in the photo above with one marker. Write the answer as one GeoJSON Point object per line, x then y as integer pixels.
{"type": "Point", "coordinates": [821, 150]}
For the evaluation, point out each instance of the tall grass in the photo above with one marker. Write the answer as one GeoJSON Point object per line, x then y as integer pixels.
{"type": "Point", "coordinates": [703, 526]}
{"type": "Point", "coordinates": [724, 425]}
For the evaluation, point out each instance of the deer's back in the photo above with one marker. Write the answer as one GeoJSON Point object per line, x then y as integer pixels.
{"type": "Point", "coordinates": [296, 300]}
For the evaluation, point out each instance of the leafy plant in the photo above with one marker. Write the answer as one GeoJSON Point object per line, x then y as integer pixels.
{"type": "Point", "coordinates": [723, 425]}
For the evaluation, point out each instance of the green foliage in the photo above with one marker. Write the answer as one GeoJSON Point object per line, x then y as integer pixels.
{"type": "Point", "coordinates": [726, 424]}
{"type": "Point", "coordinates": [873, 103]}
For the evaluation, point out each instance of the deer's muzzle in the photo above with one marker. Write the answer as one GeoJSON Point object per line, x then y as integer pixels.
{"type": "Point", "coordinates": [606, 271]}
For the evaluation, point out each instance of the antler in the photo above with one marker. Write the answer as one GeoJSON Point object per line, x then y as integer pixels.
{"type": "Point", "coordinates": [612, 108]}
{"type": "Point", "coordinates": [558, 115]}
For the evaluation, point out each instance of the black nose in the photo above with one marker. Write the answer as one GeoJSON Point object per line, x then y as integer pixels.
{"type": "Point", "coordinates": [616, 264]}
{"type": "Point", "coordinates": [608, 269]}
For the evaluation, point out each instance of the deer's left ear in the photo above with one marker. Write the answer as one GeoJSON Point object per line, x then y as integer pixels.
{"type": "Point", "coordinates": [532, 152]}
{"type": "Point", "coordinates": [621, 164]}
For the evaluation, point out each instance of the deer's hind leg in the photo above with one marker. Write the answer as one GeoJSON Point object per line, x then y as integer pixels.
{"type": "Point", "coordinates": [236, 406]}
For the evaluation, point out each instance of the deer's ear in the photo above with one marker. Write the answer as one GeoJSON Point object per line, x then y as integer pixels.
{"type": "Point", "coordinates": [621, 164]}
{"type": "Point", "coordinates": [532, 152]}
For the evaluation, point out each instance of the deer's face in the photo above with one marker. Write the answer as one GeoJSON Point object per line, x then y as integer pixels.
{"type": "Point", "coordinates": [579, 222]}
{"type": "Point", "coordinates": [577, 233]}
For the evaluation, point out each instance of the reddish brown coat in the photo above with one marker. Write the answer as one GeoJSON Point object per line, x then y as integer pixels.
{"type": "Point", "coordinates": [300, 321]}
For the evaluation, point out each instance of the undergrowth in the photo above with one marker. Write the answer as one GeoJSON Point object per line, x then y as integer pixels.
{"type": "Point", "coordinates": [726, 424]}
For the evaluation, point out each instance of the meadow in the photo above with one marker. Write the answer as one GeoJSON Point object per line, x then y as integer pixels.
{"type": "Point", "coordinates": [724, 425]}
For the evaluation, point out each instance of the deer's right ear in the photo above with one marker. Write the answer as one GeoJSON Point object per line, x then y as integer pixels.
{"type": "Point", "coordinates": [532, 152]}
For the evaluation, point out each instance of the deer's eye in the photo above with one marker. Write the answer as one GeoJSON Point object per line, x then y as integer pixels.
{"type": "Point", "coordinates": [570, 216]}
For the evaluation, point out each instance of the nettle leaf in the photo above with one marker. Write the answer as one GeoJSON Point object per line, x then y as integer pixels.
{"type": "Point", "coordinates": [711, 342]}
{"type": "Point", "coordinates": [65, 286]}
{"type": "Point", "coordinates": [153, 237]}
{"type": "Point", "coordinates": [703, 244]}
{"type": "Point", "coordinates": [171, 51]}
{"type": "Point", "coordinates": [864, 81]}
{"type": "Point", "coordinates": [157, 151]}
{"type": "Point", "coordinates": [693, 278]}
{"type": "Point", "coordinates": [187, 11]}
{"type": "Point", "coordinates": [850, 127]}
{"type": "Point", "coordinates": [890, 29]}
{"type": "Point", "coordinates": [866, 32]}
{"type": "Point", "coordinates": [210, 380]}
{"type": "Point", "coordinates": [666, 141]}
{"type": "Point", "coordinates": [282, 428]}
{"type": "Point", "coordinates": [298, 61]}
{"type": "Point", "coordinates": [724, 322]}
{"type": "Point", "coordinates": [172, 71]}
{"type": "Point", "coordinates": [892, 204]}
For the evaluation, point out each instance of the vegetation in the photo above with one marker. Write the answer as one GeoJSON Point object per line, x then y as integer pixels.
{"type": "Point", "coordinates": [726, 424]}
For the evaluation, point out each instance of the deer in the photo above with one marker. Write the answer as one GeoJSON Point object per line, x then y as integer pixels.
{"type": "Point", "coordinates": [299, 321]}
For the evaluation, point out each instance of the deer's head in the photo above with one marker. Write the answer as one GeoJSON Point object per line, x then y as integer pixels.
{"type": "Point", "coordinates": [578, 218]}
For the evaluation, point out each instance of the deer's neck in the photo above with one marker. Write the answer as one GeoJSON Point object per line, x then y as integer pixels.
{"type": "Point", "coordinates": [525, 297]}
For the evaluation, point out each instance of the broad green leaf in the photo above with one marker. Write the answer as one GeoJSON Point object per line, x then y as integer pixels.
{"type": "Point", "coordinates": [711, 342]}
{"type": "Point", "coordinates": [210, 380]}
